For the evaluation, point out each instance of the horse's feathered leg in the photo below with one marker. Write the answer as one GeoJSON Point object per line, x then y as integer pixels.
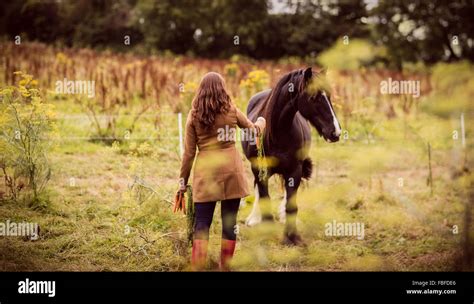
{"type": "Point", "coordinates": [261, 207]}
{"type": "Point", "coordinates": [265, 200]}
{"type": "Point", "coordinates": [282, 208]}
{"type": "Point", "coordinates": [292, 182]}
{"type": "Point", "coordinates": [255, 216]}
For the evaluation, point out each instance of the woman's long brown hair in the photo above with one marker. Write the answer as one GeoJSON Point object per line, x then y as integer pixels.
{"type": "Point", "coordinates": [211, 99]}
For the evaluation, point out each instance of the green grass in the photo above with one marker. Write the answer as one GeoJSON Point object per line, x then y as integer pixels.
{"type": "Point", "coordinates": [95, 223]}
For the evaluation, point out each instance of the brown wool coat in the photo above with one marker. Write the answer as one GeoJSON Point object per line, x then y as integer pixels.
{"type": "Point", "coordinates": [218, 171]}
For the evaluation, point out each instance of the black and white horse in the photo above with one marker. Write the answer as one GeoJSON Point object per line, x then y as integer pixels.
{"type": "Point", "coordinates": [287, 109]}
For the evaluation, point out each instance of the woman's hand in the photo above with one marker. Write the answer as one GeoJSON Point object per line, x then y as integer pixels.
{"type": "Point", "coordinates": [260, 124]}
{"type": "Point", "coordinates": [182, 185]}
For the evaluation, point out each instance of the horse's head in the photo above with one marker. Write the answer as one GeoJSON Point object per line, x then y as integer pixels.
{"type": "Point", "coordinates": [314, 103]}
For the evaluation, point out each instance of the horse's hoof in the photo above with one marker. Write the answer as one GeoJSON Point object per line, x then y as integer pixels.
{"type": "Point", "coordinates": [293, 239]}
{"type": "Point", "coordinates": [268, 218]}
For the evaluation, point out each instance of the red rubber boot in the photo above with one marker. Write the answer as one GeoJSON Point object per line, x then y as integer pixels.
{"type": "Point", "coordinates": [199, 255]}
{"type": "Point", "coordinates": [227, 252]}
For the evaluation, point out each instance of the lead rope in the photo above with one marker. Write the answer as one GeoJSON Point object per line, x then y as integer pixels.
{"type": "Point", "coordinates": [261, 161]}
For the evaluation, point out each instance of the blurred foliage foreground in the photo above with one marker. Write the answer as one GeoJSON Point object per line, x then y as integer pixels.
{"type": "Point", "coordinates": [98, 174]}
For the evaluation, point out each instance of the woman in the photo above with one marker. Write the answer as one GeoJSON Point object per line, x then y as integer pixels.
{"type": "Point", "coordinates": [218, 173]}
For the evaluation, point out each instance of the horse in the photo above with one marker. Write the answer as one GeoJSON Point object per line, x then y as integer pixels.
{"type": "Point", "coordinates": [287, 108]}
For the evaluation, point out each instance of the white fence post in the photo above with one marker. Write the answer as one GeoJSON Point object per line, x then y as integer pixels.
{"type": "Point", "coordinates": [180, 127]}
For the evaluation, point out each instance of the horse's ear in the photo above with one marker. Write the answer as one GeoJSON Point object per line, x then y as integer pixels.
{"type": "Point", "coordinates": [308, 73]}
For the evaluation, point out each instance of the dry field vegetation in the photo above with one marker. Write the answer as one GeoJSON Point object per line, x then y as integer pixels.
{"type": "Point", "coordinates": [114, 163]}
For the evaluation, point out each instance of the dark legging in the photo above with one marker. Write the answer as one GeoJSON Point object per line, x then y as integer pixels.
{"type": "Point", "coordinates": [203, 218]}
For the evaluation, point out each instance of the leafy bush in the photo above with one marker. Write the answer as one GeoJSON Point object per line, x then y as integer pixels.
{"type": "Point", "coordinates": [453, 89]}
{"type": "Point", "coordinates": [26, 125]}
{"type": "Point", "coordinates": [186, 95]}
{"type": "Point", "coordinates": [255, 82]}
{"type": "Point", "coordinates": [351, 56]}
{"type": "Point", "coordinates": [231, 69]}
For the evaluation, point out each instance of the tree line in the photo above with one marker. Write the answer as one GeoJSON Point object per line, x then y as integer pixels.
{"type": "Point", "coordinates": [411, 31]}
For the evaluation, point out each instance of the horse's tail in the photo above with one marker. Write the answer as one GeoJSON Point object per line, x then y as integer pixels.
{"type": "Point", "coordinates": [307, 168]}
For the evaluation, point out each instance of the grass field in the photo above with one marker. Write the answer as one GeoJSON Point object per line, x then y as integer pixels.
{"type": "Point", "coordinates": [99, 215]}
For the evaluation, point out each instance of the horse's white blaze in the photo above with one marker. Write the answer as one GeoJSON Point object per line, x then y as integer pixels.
{"type": "Point", "coordinates": [282, 209]}
{"type": "Point", "coordinates": [337, 127]}
{"type": "Point", "coordinates": [255, 216]}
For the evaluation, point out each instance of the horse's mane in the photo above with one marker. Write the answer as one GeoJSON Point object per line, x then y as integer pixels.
{"type": "Point", "coordinates": [269, 110]}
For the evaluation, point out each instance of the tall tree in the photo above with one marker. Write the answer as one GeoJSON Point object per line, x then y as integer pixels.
{"type": "Point", "coordinates": [425, 31]}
